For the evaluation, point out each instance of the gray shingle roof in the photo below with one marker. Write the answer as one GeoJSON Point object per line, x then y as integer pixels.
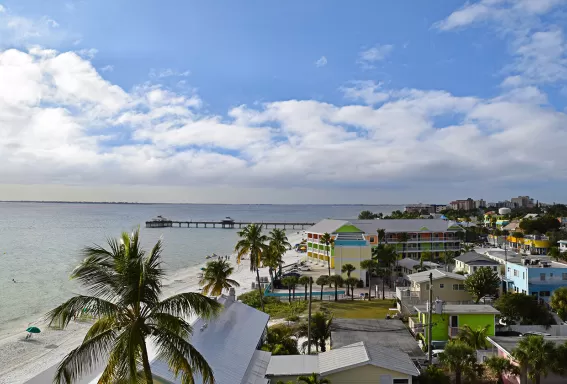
{"type": "Point", "coordinates": [392, 359]}
{"type": "Point", "coordinates": [421, 277]}
{"type": "Point", "coordinates": [228, 343]}
{"type": "Point", "coordinates": [469, 257]}
{"type": "Point", "coordinates": [327, 226]}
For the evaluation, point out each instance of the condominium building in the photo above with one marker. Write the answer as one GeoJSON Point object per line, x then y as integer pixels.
{"type": "Point", "coordinates": [354, 240]}
{"type": "Point", "coordinates": [522, 201]}
{"type": "Point", "coordinates": [465, 205]}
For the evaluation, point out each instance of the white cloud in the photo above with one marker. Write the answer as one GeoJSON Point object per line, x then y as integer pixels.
{"type": "Point", "coordinates": [321, 62]}
{"type": "Point", "coordinates": [88, 53]}
{"type": "Point", "coordinates": [2, 9]}
{"type": "Point", "coordinates": [367, 58]}
{"type": "Point", "coordinates": [107, 68]}
{"type": "Point", "coordinates": [367, 91]}
{"type": "Point", "coordinates": [168, 72]}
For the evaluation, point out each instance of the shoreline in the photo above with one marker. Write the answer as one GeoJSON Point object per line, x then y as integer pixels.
{"type": "Point", "coordinates": [21, 359]}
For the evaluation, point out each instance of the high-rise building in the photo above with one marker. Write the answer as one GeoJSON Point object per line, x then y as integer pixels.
{"type": "Point", "coordinates": [522, 202]}
{"type": "Point", "coordinates": [465, 205]}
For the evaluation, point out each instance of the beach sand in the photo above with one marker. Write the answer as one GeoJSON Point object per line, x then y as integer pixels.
{"type": "Point", "coordinates": [22, 359]}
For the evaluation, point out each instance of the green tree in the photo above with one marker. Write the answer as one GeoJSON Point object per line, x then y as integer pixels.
{"type": "Point", "coordinates": [367, 215]}
{"type": "Point", "coordinates": [381, 235]}
{"type": "Point", "coordinates": [449, 258]}
{"type": "Point", "coordinates": [351, 282]}
{"type": "Point", "coordinates": [371, 266]}
{"type": "Point", "coordinates": [279, 244]}
{"type": "Point", "coordinates": [467, 248]}
{"type": "Point", "coordinates": [348, 269]}
{"type": "Point", "coordinates": [272, 260]}
{"type": "Point", "coordinates": [290, 282]}
{"type": "Point", "coordinates": [305, 280]}
{"type": "Point", "coordinates": [554, 252]}
{"type": "Point", "coordinates": [500, 366]}
{"type": "Point", "coordinates": [524, 309]}
{"type": "Point", "coordinates": [282, 382]}
{"type": "Point", "coordinates": [124, 286]}
{"type": "Point", "coordinates": [312, 379]}
{"type": "Point", "coordinates": [329, 243]}
{"type": "Point", "coordinates": [535, 357]}
{"type": "Point", "coordinates": [322, 281]}
{"type": "Point", "coordinates": [458, 357]}
{"type": "Point", "coordinates": [252, 242]}
{"type": "Point", "coordinates": [216, 277]}
{"type": "Point", "coordinates": [280, 341]}
{"type": "Point", "coordinates": [474, 338]}
{"type": "Point", "coordinates": [558, 302]}
{"type": "Point", "coordinates": [320, 331]}
{"type": "Point", "coordinates": [386, 256]}
{"type": "Point", "coordinates": [481, 283]}
{"type": "Point", "coordinates": [434, 375]}
{"type": "Point", "coordinates": [337, 281]}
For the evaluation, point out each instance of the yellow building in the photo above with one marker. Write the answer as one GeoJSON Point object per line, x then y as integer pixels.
{"type": "Point", "coordinates": [538, 245]}
{"type": "Point", "coordinates": [358, 363]}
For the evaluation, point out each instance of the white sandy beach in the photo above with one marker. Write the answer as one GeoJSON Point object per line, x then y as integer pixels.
{"type": "Point", "coordinates": [21, 360]}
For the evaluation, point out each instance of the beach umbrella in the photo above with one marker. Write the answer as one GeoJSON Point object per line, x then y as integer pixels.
{"type": "Point", "coordinates": [31, 330]}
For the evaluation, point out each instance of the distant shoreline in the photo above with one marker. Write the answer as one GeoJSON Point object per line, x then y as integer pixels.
{"type": "Point", "coordinates": [135, 203]}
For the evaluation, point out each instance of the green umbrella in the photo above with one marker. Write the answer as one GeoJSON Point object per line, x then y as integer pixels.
{"type": "Point", "coordinates": [33, 330]}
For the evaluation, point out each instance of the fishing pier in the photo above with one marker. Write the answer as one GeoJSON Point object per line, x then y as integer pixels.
{"type": "Point", "coordinates": [227, 223]}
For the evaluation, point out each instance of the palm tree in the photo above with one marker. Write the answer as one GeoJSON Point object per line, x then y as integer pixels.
{"type": "Point", "coordinates": [499, 366]}
{"type": "Point", "coordinates": [320, 331]}
{"type": "Point", "coordinates": [474, 338]}
{"type": "Point", "coordinates": [457, 357]}
{"type": "Point", "coordinates": [554, 252]}
{"type": "Point", "coordinates": [351, 282]}
{"type": "Point", "coordinates": [215, 278]}
{"type": "Point", "coordinates": [313, 379]}
{"type": "Point", "coordinates": [322, 281]}
{"type": "Point", "coordinates": [289, 282]}
{"type": "Point", "coordinates": [535, 357]}
{"type": "Point", "coordinates": [381, 235]}
{"type": "Point", "coordinates": [272, 260]}
{"type": "Point", "coordinates": [280, 341]}
{"type": "Point", "coordinates": [279, 244]}
{"type": "Point", "coordinates": [348, 268]}
{"type": "Point", "coordinates": [467, 248]}
{"type": "Point", "coordinates": [449, 257]}
{"type": "Point", "coordinates": [558, 302]}
{"type": "Point", "coordinates": [336, 280]}
{"type": "Point", "coordinates": [386, 256]}
{"type": "Point", "coordinates": [252, 242]}
{"type": "Point", "coordinates": [124, 288]}
{"type": "Point", "coordinates": [371, 266]}
{"type": "Point", "coordinates": [305, 280]}
{"type": "Point", "coordinates": [329, 242]}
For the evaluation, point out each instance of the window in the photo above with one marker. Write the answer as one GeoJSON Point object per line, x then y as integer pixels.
{"type": "Point", "coordinates": [401, 381]}
{"type": "Point", "coordinates": [542, 276]}
{"type": "Point", "coordinates": [523, 275]}
{"type": "Point", "coordinates": [441, 285]}
{"type": "Point", "coordinates": [458, 287]}
{"type": "Point", "coordinates": [564, 276]}
{"type": "Point", "coordinates": [516, 273]}
{"type": "Point", "coordinates": [372, 239]}
{"type": "Point", "coordinates": [494, 268]}
{"type": "Point", "coordinates": [474, 269]}
{"type": "Point", "coordinates": [508, 269]}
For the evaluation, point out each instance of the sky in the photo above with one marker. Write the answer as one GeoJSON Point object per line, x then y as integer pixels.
{"type": "Point", "coordinates": [255, 101]}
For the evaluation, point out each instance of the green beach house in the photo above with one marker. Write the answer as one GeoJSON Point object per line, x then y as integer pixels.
{"type": "Point", "coordinates": [448, 319]}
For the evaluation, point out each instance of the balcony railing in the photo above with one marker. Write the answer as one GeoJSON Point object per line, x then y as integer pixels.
{"type": "Point", "coordinates": [453, 331]}
{"type": "Point", "coordinates": [415, 325]}
{"type": "Point", "coordinates": [423, 240]}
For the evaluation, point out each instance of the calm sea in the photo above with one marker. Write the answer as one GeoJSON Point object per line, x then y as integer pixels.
{"type": "Point", "coordinates": [40, 243]}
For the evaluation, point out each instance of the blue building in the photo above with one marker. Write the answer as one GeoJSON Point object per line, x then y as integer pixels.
{"type": "Point", "coordinates": [536, 276]}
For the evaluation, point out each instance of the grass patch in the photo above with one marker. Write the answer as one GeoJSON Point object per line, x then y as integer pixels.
{"type": "Point", "coordinates": [356, 309]}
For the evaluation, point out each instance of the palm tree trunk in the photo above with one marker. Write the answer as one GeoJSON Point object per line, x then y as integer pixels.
{"type": "Point", "coordinates": [369, 286]}
{"type": "Point", "coordinates": [523, 375]}
{"type": "Point", "coordinates": [383, 294]}
{"type": "Point", "coordinates": [146, 363]}
{"type": "Point", "coordinates": [260, 288]}
{"type": "Point", "coordinates": [289, 294]}
{"type": "Point", "coordinates": [322, 286]}
{"type": "Point", "coordinates": [323, 346]}
{"type": "Point", "coordinates": [458, 376]}
{"type": "Point", "coordinates": [538, 379]}
{"type": "Point", "coordinates": [328, 260]}
{"type": "Point", "coordinates": [271, 271]}
{"type": "Point", "coordinates": [336, 295]}
{"type": "Point", "coordinates": [306, 293]}
{"type": "Point", "coordinates": [352, 296]}
{"type": "Point", "coordinates": [293, 292]}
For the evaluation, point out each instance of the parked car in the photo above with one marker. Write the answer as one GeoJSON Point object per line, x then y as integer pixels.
{"type": "Point", "coordinates": [435, 355]}
{"type": "Point", "coordinates": [296, 274]}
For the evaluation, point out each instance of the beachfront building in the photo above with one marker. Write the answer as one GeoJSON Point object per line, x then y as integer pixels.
{"type": "Point", "coordinates": [470, 262]}
{"type": "Point", "coordinates": [357, 363]}
{"type": "Point", "coordinates": [447, 319]}
{"type": "Point", "coordinates": [354, 240]}
{"type": "Point", "coordinates": [536, 276]}
{"type": "Point", "coordinates": [230, 343]}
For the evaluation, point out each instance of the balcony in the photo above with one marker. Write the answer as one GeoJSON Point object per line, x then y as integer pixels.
{"type": "Point", "coordinates": [453, 331]}
{"type": "Point", "coordinates": [415, 325]}
{"type": "Point", "coordinates": [394, 240]}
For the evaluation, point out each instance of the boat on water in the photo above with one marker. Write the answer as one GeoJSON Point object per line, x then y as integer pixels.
{"type": "Point", "coordinates": [213, 256]}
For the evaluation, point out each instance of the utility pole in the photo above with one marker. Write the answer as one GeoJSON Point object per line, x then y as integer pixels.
{"type": "Point", "coordinates": [309, 317]}
{"type": "Point", "coordinates": [430, 322]}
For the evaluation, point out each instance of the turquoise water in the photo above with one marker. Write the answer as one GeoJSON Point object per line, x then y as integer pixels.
{"type": "Point", "coordinates": [40, 243]}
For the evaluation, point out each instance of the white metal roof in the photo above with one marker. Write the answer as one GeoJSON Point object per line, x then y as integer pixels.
{"type": "Point", "coordinates": [346, 357]}
{"type": "Point", "coordinates": [256, 372]}
{"type": "Point", "coordinates": [391, 359]}
{"type": "Point", "coordinates": [421, 277]}
{"type": "Point", "coordinates": [228, 343]}
{"type": "Point", "coordinates": [301, 365]}
{"type": "Point", "coordinates": [410, 263]}
{"type": "Point", "coordinates": [473, 309]}
{"type": "Point", "coordinates": [389, 225]}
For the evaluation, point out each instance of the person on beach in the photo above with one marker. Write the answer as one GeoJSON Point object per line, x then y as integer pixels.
{"type": "Point", "coordinates": [14, 281]}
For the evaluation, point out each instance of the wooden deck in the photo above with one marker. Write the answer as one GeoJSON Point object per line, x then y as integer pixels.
{"type": "Point", "coordinates": [224, 224]}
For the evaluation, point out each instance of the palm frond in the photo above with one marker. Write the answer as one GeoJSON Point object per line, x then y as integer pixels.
{"type": "Point", "coordinates": [183, 359]}
{"type": "Point", "coordinates": [188, 304]}
{"type": "Point", "coordinates": [172, 323]}
{"type": "Point", "coordinates": [78, 305]}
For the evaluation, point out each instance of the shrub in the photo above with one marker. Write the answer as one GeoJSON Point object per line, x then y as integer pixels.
{"type": "Point", "coordinates": [360, 284]}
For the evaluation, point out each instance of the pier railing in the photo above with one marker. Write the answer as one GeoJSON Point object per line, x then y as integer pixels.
{"type": "Point", "coordinates": [226, 224]}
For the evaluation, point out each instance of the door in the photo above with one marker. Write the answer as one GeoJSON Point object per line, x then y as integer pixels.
{"type": "Point", "coordinates": [454, 321]}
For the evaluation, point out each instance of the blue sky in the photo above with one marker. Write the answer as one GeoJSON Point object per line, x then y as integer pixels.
{"type": "Point", "coordinates": [364, 102]}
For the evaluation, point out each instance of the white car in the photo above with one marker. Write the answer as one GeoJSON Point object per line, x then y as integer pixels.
{"type": "Point", "coordinates": [435, 355]}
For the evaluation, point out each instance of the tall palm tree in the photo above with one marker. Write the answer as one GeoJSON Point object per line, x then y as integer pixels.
{"type": "Point", "coordinates": [322, 281]}
{"type": "Point", "coordinates": [474, 338]}
{"type": "Point", "coordinates": [386, 256]}
{"type": "Point", "coordinates": [280, 341]}
{"type": "Point", "coordinates": [289, 282]}
{"type": "Point", "coordinates": [370, 266]}
{"type": "Point", "coordinates": [329, 243]}
{"type": "Point", "coordinates": [312, 379]}
{"type": "Point", "coordinates": [124, 286]}
{"type": "Point", "coordinates": [337, 281]}
{"type": "Point", "coordinates": [320, 331]}
{"type": "Point", "coordinates": [351, 282]}
{"type": "Point", "coordinates": [499, 366]}
{"type": "Point", "coordinates": [449, 256]}
{"type": "Point", "coordinates": [273, 260]}
{"type": "Point", "coordinates": [304, 280]}
{"type": "Point", "coordinates": [381, 235]}
{"type": "Point", "coordinates": [535, 356]}
{"type": "Point", "coordinates": [252, 242]}
{"type": "Point", "coordinates": [216, 277]}
{"type": "Point", "coordinates": [457, 357]}
{"type": "Point", "coordinates": [279, 244]}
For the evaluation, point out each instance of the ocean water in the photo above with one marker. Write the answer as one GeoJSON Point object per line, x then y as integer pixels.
{"type": "Point", "coordinates": [40, 243]}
